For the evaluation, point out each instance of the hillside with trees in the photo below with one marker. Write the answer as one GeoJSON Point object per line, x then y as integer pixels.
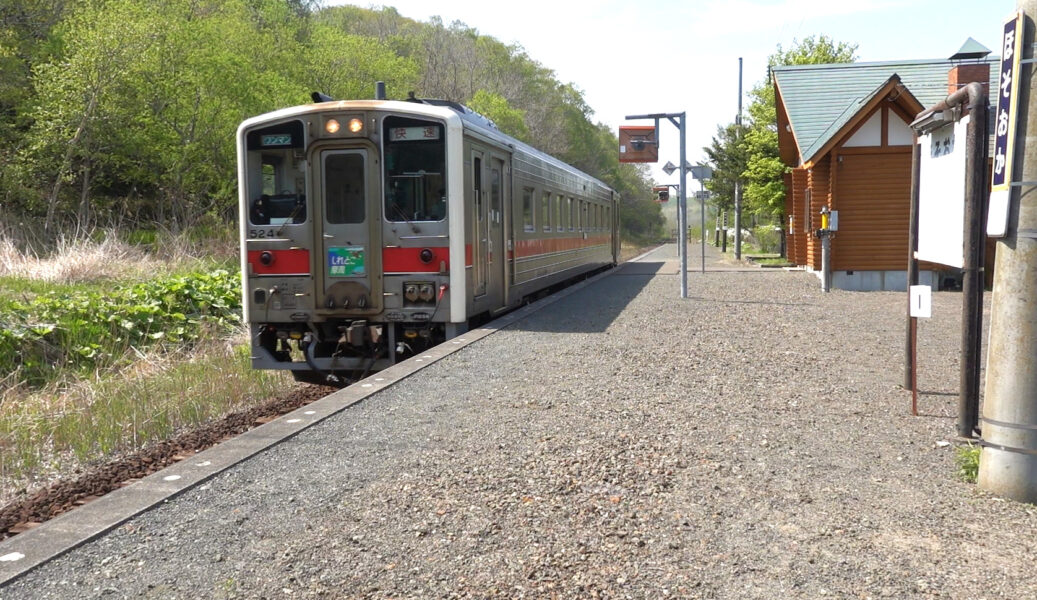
{"type": "Point", "coordinates": [122, 113]}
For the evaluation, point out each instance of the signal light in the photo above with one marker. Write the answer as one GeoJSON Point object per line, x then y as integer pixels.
{"type": "Point", "coordinates": [662, 193]}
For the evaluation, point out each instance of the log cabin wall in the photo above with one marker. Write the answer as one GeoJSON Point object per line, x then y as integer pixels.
{"type": "Point", "coordinates": [800, 223]}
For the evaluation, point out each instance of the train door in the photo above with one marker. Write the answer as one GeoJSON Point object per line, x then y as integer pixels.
{"type": "Point", "coordinates": [480, 227]}
{"type": "Point", "coordinates": [350, 265]}
{"type": "Point", "coordinates": [498, 256]}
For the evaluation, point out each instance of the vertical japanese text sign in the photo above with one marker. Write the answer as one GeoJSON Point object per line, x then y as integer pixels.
{"type": "Point", "coordinates": [1004, 126]}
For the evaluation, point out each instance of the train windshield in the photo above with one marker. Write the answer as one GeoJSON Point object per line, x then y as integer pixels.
{"type": "Point", "coordinates": [415, 188]}
{"type": "Point", "coordinates": [276, 175]}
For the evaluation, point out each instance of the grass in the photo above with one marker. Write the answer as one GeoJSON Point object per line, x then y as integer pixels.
{"type": "Point", "coordinates": [111, 346]}
{"type": "Point", "coordinates": [56, 430]}
{"type": "Point", "coordinates": [967, 459]}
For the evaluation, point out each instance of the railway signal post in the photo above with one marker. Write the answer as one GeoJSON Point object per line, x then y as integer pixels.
{"type": "Point", "coordinates": [678, 120]}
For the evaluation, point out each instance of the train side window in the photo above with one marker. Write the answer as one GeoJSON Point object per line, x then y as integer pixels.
{"type": "Point", "coordinates": [527, 209]}
{"type": "Point", "coordinates": [558, 213]}
{"type": "Point", "coordinates": [477, 184]}
{"type": "Point", "coordinates": [574, 216]}
{"type": "Point", "coordinates": [545, 211]}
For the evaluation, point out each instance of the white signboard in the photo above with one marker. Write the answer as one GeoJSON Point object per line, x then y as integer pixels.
{"type": "Point", "coordinates": [921, 301]}
{"type": "Point", "coordinates": [941, 195]}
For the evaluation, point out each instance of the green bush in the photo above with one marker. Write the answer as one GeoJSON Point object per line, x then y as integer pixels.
{"type": "Point", "coordinates": [84, 329]}
{"type": "Point", "coordinates": [768, 238]}
{"type": "Point", "coordinates": [967, 459]}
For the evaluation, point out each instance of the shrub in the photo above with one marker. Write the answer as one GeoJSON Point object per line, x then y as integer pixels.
{"type": "Point", "coordinates": [967, 459]}
{"type": "Point", "coordinates": [81, 328]}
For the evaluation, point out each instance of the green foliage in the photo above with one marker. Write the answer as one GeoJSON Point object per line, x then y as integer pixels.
{"type": "Point", "coordinates": [125, 110]}
{"type": "Point", "coordinates": [82, 328]}
{"type": "Point", "coordinates": [345, 66]}
{"type": "Point", "coordinates": [752, 152]}
{"type": "Point", "coordinates": [118, 413]}
{"type": "Point", "coordinates": [642, 220]}
{"type": "Point", "coordinates": [967, 459]}
{"type": "Point", "coordinates": [496, 108]}
{"type": "Point", "coordinates": [727, 153]}
{"type": "Point", "coordinates": [768, 238]}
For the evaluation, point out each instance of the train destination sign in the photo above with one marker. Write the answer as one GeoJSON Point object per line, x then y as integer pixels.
{"type": "Point", "coordinates": [1004, 127]}
{"type": "Point", "coordinates": [277, 139]}
{"type": "Point", "coordinates": [412, 134]}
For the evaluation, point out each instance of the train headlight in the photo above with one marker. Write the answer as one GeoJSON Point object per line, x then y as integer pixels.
{"type": "Point", "coordinates": [410, 292]}
{"type": "Point", "coordinates": [427, 292]}
{"type": "Point", "coordinates": [356, 125]}
{"type": "Point", "coordinates": [332, 126]}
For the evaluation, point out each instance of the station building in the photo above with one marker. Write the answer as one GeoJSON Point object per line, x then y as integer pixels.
{"type": "Point", "coordinates": [843, 129]}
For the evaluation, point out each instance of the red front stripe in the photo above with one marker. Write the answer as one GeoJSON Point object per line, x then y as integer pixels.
{"type": "Point", "coordinates": [285, 262]}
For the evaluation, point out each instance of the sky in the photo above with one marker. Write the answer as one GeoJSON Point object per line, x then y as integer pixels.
{"type": "Point", "coordinates": [672, 56]}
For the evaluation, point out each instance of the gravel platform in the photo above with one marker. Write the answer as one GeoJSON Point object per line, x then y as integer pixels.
{"type": "Point", "coordinates": [752, 441]}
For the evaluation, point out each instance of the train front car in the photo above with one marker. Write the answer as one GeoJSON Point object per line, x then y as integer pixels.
{"type": "Point", "coordinates": [346, 214]}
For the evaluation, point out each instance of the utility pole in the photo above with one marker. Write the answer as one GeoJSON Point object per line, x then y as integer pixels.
{"type": "Point", "coordinates": [1008, 464]}
{"type": "Point", "coordinates": [738, 181]}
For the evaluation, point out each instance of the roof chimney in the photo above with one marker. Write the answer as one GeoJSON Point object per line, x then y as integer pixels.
{"type": "Point", "coordinates": [972, 66]}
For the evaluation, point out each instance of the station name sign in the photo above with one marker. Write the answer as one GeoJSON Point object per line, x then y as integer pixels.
{"type": "Point", "coordinates": [1005, 126]}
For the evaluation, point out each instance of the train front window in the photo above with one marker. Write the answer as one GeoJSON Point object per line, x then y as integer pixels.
{"type": "Point", "coordinates": [415, 163]}
{"type": "Point", "coordinates": [276, 175]}
{"type": "Point", "coordinates": [344, 187]}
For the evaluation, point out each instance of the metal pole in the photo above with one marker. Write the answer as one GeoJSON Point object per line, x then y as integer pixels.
{"type": "Point", "coordinates": [912, 268]}
{"type": "Point", "coordinates": [738, 182]}
{"type": "Point", "coordinates": [826, 263]}
{"type": "Point", "coordinates": [702, 211]}
{"type": "Point", "coordinates": [1008, 465]}
{"type": "Point", "coordinates": [683, 208]}
{"type": "Point", "coordinates": [972, 269]}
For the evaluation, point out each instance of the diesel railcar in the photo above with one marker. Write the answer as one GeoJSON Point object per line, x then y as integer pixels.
{"type": "Point", "coordinates": [374, 229]}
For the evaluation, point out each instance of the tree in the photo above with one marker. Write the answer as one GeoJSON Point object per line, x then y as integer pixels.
{"type": "Point", "coordinates": [346, 66]}
{"type": "Point", "coordinates": [495, 108]}
{"type": "Point", "coordinates": [763, 174]}
{"type": "Point", "coordinates": [727, 154]}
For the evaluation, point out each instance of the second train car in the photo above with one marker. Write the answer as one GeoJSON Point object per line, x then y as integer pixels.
{"type": "Point", "coordinates": [374, 229]}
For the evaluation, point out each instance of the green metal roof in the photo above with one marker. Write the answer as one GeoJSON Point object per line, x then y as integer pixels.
{"type": "Point", "coordinates": [820, 99]}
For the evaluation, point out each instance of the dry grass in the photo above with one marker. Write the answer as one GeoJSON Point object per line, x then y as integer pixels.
{"type": "Point", "coordinates": [78, 260]}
